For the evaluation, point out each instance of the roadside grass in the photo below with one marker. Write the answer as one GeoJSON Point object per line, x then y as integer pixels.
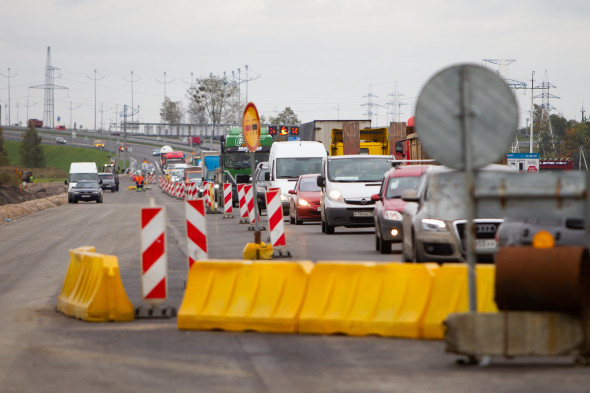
{"type": "Point", "coordinates": [57, 161]}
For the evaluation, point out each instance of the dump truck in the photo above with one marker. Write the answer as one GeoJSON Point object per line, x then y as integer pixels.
{"type": "Point", "coordinates": [373, 141]}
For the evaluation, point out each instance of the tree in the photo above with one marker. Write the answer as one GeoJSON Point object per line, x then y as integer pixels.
{"type": "Point", "coordinates": [214, 100]}
{"type": "Point", "coordinates": [287, 116]}
{"type": "Point", "coordinates": [171, 111]}
{"type": "Point", "coordinates": [30, 149]}
{"type": "Point", "coordinates": [4, 160]}
{"type": "Point", "coordinates": [576, 136]}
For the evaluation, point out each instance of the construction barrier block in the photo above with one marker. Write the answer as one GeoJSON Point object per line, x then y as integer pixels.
{"type": "Point", "coordinates": [450, 295]}
{"type": "Point", "coordinates": [93, 290]}
{"type": "Point", "coordinates": [360, 298]}
{"type": "Point", "coordinates": [258, 251]}
{"type": "Point", "coordinates": [239, 295]}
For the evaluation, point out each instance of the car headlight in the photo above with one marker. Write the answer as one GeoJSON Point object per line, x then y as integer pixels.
{"type": "Point", "coordinates": [216, 186]}
{"type": "Point", "coordinates": [76, 192]}
{"type": "Point", "coordinates": [260, 189]}
{"type": "Point", "coordinates": [303, 202]}
{"type": "Point", "coordinates": [284, 198]}
{"type": "Point", "coordinates": [335, 195]}
{"type": "Point", "coordinates": [430, 224]}
{"type": "Point", "coordinates": [392, 215]}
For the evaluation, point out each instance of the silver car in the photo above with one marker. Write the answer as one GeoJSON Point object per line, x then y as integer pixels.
{"type": "Point", "coordinates": [434, 222]}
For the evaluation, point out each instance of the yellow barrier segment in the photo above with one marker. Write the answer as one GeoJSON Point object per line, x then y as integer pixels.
{"type": "Point", "coordinates": [360, 298]}
{"type": "Point", "coordinates": [244, 295]}
{"type": "Point", "coordinates": [93, 290]}
{"type": "Point", "coordinates": [450, 295]}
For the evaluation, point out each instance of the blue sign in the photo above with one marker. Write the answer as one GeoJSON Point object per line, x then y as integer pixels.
{"type": "Point", "coordinates": [58, 118]}
{"type": "Point", "coordinates": [522, 156]}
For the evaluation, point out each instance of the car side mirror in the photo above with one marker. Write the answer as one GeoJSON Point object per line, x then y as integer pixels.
{"type": "Point", "coordinates": [375, 197]}
{"type": "Point", "coordinates": [321, 181]}
{"type": "Point", "coordinates": [292, 192]}
{"type": "Point", "coordinates": [410, 196]}
{"type": "Point", "coordinates": [267, 176]}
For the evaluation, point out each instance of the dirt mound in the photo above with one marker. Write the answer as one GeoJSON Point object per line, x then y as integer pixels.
{"type": "Point", "coordinates": [12, 194]}
{"type": "Point", "coordinates": [16, 203]}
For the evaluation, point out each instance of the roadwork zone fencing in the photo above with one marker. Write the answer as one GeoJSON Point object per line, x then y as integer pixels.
{"type": "Point", "coordinates": [244, 295]}
{"type": "Point", "coordinates": [93, 290]}
{"type": "Point", "coordinates": [353, 298]}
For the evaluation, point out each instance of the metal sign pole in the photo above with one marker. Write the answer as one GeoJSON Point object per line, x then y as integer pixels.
{"type": "Point", "coordinates": [254, 199]}
{"type": "Point", "coordinates": [466, 127]}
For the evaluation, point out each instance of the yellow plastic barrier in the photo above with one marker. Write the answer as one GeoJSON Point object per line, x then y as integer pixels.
{"type": "Point", "coordinates": [360, 298]}
{"type": "Point", "coordinates": [244, 295]}
{"type": "Point", "coordinates": [93, 290]}
{"type": "Point", "coordinates": [450, 295]}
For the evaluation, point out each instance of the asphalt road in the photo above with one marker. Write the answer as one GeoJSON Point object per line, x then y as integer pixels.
{"type": "Point", "coordinates": [45, 351]}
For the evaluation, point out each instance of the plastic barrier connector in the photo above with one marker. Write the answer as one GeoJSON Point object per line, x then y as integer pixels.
{"type": "Point", "coordinates": [450, 295]}
{"type": "Point", "coordinates": [258, 251]}
{"type": "Point", "coordinates": [244, 295]}
{"type": "Point", "coordinates": [361, 298]}
{"type": "Point", "coordinates": [93, 290]}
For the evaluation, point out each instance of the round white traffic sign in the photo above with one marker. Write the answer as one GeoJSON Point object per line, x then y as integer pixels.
{"type": "Point", "coordinates": [466, 100]}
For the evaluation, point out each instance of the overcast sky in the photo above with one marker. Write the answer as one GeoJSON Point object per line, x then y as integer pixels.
{"type": "Point", "coordinates": [322, 58]}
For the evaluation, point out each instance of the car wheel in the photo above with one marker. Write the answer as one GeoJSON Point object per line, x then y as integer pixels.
{"type": "Point", "coordinates": [99, 200]}
{"type": "Point", "coordinates": [329, 229]}
{"type": "Point", "coordinates": [297, 220]}
{"type": "Point", "coordinates": [291, 220]}
{"type": "Point", "coordinates": [377, 242]}
{"type": "Point", "coordinates": [323, 227]}
{"type": "Point", "coordinates": [112, 190]}
{"type": "Point", "coordinates": [384, 246]}
{"type": "Point", "coordinates": [74, 200]}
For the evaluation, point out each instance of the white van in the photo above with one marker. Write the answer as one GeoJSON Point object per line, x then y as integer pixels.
{"type": "Point", "coordinates": [347, 184]}
{"type": "Point", "coordinates": [80, 171]}
{"type": "Point", "coordinates": [288, 160]}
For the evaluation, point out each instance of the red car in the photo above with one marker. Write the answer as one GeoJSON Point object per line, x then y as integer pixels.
{"type": "Point", "coordinates": [304, 203]}
{"type": "Point", "coordinates": [389, 204]}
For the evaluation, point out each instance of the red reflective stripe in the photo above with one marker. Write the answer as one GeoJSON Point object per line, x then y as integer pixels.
{"type": "Point", "coordinates": [275, 218]}
{"type": "Point", "coordinates": [159, 291]}
{"type": "Point", "coordinates": [147, 214]}
{"type": "Point", "coordinates": [196, 236]}
{"type": "Point", "coordinates": [152, 253]}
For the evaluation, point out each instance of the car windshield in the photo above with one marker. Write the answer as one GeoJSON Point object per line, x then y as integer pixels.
{"type": "Point", "coordinates": [355, 170]}
{"type": "Point", "coordinates": [108, 176]}
{"type": "Point", "coordinates": [76, 177]}
{"type": "Point", "coordinates": [261, 174]}
{"type": "Point", "coordinates": [241, 160]}
{"type": "Point", "coordinates": [309, 184]}
{"type": "Point", "coordinates": [397, 185]}
{"type": "Point", "coordinates": [289, 168]}
{"type": "Point", "coordinates": [194, 175]}
{"type": "Point", "coordinates": [87, 184]}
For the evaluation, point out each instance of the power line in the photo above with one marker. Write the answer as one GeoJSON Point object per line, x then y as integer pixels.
{"type": "Point", "coordinates": [96, 78]}
{"type": "Point", "coordinates": [49, 87]}
{"type": "Point", "coordinates": [8, 76]}
{"type": "Point", "coordinates": [132, 81]}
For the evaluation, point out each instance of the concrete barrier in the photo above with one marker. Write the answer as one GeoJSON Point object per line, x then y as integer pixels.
{"type": "Point", "coordinates": [450, 295]}
{"type": "Point", "coordinates": [93, 290]}
{"type": "Point", "coordinates": [244, 295]}
{"type": "Point", "coordinates": [361, 298]}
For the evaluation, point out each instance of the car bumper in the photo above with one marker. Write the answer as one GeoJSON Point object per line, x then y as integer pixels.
{"type": "Point", "coordinates": [352, 217]}
{"type": "Point", "coordinates": [444, 247]}
{"type": "Point", "coordinates": [309, 213]}
{"type": "Point", "coordinates": [387, 226]}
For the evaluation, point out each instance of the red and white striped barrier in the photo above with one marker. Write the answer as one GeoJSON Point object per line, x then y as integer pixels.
{"type": "Point", "coordinates": [154, 261]}
{"type": "Point", "coordinates": [151, 179]}
{"type": "Point", "coordinates": [249, 202]}
{"type": "Point", "coordinates": [196, 231]}
{"type": "Point", "coordinates": [274, 209]}
{"type": "Point", "coordinates": [228, 202]}
{"type": "Point", "coordinates": [206, 194]}
{"type": "Point", "coordinates": [161, 182]}
{"type": "Point", "coordinates": [243, 206]}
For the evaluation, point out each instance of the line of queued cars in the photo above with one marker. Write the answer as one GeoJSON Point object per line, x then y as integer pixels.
{"type": "Point", "coordinates": [400, 204]}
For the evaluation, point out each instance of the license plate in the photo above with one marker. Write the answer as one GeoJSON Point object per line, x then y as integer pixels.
{"type": "Point", "coordinates": [485, 244]}
{"type": "Point", "coordinates": [319, 209]}
{"type": "Point", "coordinates": [85, 196]}
{"type": "Point", "coordinates": [362, 214]}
